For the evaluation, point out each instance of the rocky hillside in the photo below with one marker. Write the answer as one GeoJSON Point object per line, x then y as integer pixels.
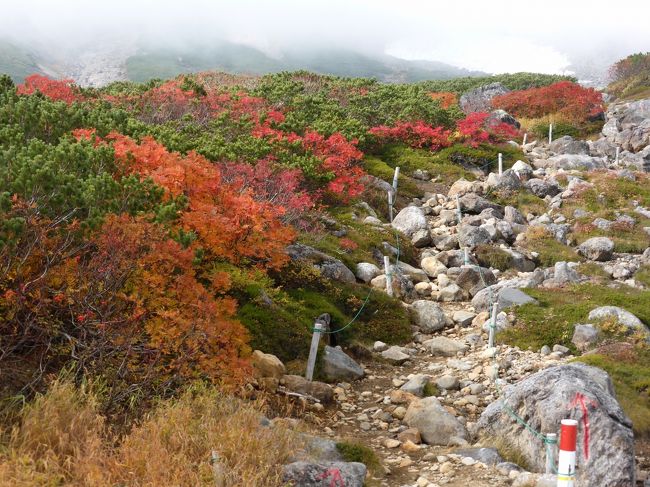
{"type": "Point", "coordinates": [168, 249]}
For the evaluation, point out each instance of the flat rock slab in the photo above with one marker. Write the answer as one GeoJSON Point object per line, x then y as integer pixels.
{"type": "Point", "coordinates": [324, 474]}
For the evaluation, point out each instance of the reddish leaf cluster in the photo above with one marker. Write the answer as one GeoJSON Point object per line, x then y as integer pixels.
{"type": "Point", "coordinates": [60, 90]}
{"type": "Point", "coordinates": [446, 98]}
{"type": "Point", "coordinates": [414, 134]}
{"type": "Point", "coordinates": [479, 128]}
{"type": "Point", "coordinates": [567, 99]}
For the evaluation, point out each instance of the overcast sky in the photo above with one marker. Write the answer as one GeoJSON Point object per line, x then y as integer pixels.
{"type": "Point", "coordinates": [493, 36]}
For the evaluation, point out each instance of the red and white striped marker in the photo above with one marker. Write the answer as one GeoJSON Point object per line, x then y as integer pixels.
{"type": "Point", "coordinates": [566, 465]}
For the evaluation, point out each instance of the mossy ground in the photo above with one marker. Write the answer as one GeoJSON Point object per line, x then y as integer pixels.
{"type": "Point", "coordinates": [354, 451]}
{"type": "Point", "coordinates": [492, 256]}
{"type": "Point", "coordinates": [552, 322]}
{"type": "Point", "coordinates": [280, 314]}
{"type": "Point", "coordinates": [540, 240]}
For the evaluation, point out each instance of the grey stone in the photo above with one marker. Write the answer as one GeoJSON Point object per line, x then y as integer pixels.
{"type": "Point", "coordinates": [416, 385]}
{"type": "Point", "coordinates": [585, 336]}
{"type": "Point", "coordinates": [446, 347]}
{"type": "Point", "coordinates": [473, 279]}
{"type": "Point", "coordinates": [475, 204]}
{"type": "Point", "coordinates": [563, 274]}
{"type": "Point", "coordinates": [452, 292]}
{"type": "Point", "coordinates": [445, 242]}
{"type": "Point", "coordinates": [306, 474]}
{"type": "Point", "coordinates": [597, 248]}
{"type": "Point", "coordinates": [410, 220]}
{"type": "Point", "coordinates": [395, 355]}
{"type": "Point", "coordinates": [508, 181]}
{"type": "Point", "coordinates": [317, 449]}
{"type": "Point", "coordinates": [463, 317]}
{"type": "Point", "coordinates": [513, 215]}
{"type": "Point", "coordinates": [367, 271]}
{"type": "Point", "coordinates": [432, 266]}
{"type": "Point", "coordinates": [448, 382]}
{"type": "Point", "coordinates": [428, 315]}
{"type": "Point", "coordinates": [543, 399]}
{"type": "Point", "coordinates": [579, 162]}
{"type": "Point", "coordinates": [471, 236]}
{"type": "Point", "coordinates": [435, 424]}
{"type": "Point", "coordinates": [542, 188]}
{"type": "Point", "coordinates": [501, 116]}
{"type": "Point", "coordinates": [413, 273]}
{"type": "Point", "coordinates": [421, 238]}
{"type": "Point", "coordinates": [337, 365]}
{"type": "Point", "coordinates": [523, 170]}
{"type": "Point", "coordinates": [297, 383]}
{"type": "Point", "coordinates": [478, 99]}
{"type": "Point", "coordinates": [568, 145]}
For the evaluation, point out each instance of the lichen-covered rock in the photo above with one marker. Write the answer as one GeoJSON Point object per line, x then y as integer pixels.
{"type": "Point", "coordinates": [597, 248]}
{"type": "Point", "coordinates": [307, 474]}
{"type": "Point", "coordinates": [544, 399]}
{"type": "Point", "coordinates": [337, 365]}
{"type": "Point", "coordinates": [428, 316]}
{"type": "Point", "coordinates": [479, 99]}
{"type": "Point", "coordinates": [410, 220]}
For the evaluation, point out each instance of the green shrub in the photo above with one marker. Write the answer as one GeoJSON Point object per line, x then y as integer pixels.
{"type": "Point", "coordinates": [560, 129]}
{"type": "Point", "coordinates": [492, 256]}
{"type": "Point", "coordinates": [354, 451]}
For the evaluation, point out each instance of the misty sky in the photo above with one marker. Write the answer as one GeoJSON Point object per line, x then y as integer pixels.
{"type": "Point", "coordinates": [493, 36]}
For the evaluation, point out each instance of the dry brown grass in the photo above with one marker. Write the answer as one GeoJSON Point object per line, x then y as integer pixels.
{"type": "Point", "coordinates": [63, 440]}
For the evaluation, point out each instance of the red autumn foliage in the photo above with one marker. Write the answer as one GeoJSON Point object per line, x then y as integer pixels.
{"type": "Point", "coordinates": [229, 222]}
{"type": "Point", "coordinates": [269, 183]}
{"type": "Point", "coordinates": [478, 128]}
{"type": "Point", "coordinates": [60, 90]}
{"type": "Point", "coordinates": [570, 100]}
{"type": "Point", "coordinates": [414, 134]}
{"type": "Point", "coordinates": [446, 98]}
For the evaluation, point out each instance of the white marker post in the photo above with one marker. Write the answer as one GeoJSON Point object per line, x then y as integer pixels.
{"type": "Point", "coordinates": [525, 138]}
{"type": "Point", "coordinates": [313, 350]}
{"type": "Point", "coordinates": [459, 212]}
{"type": "Point", "coordinates": [466, 255]}
{"type": "Point", "coordinates": [390, 205]}
{"type": "Point", "coordinates": [618, 153]}
{"type": "Point", "coordinates": [566, 464]}
{"type": "Point", "coordinates": [395, 176]}
{"type": "Point", "coordinates": [550, 133]}
{"type": "Point", "coordinates": [500, 163]}
{"type": "Point", "coordinates": [389, 277]}
{"type": "Point", "coordinates": [551, 447]}
{"type": "Point", "coordinates": [493, 325]}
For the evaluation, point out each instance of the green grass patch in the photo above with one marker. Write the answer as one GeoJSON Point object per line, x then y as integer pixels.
{"type": "Point", "coordinates": [643, 275]}
{"type": "Point", "coordinates": [280, 316]}
{"type": "Point", "coordinates": [552, 320]}
{"type": "Point", "coordinates": [354, 451]}
{"type": "Point", "coordinates": [430, 389]}
{"type": "Point", "coordinates": [630, 373]}
{"type": "Point", "coordinates": [380, 169]}
{"type": "Point", "coordinates": [593, 270]}
{"type": "Point", "coordinates": [524, 201]}
{"type": "Point", "coordinates": [538, 239]}
{"type": "Point", "coordinates": [492, 256]}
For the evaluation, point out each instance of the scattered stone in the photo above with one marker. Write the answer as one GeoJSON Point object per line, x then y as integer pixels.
{"type": "Point", "coordinates": [297, 383]}
{"type": "Point", "coordinates": [379, 346]}
{"type": "Point", "coordinates": [432, 266]}
{"type": "Point", "coordinates": [471, 236]}
{"type": "Point", "coordinates": [433, 421]}
{"type": "Point", "coordinates": [597, 248]}
{"type": "Point", "coordinates": [305, 474]}
{"type": "Point", "coordinates": [463, 317]}
{"type": "Point", "coordinates": [473, 279]}
{"type": "Point", "coordinates": [448, 382]}
{"type": "Point", "coordinates": [444, 346]}
{"type": "Point", "coordinates": [395, 355]}
{"type": "Point", "coordinates": [367, 271]}
{"type": "Point", "coordinates": [585, 336]}
{"type": "Point", "coordinates": [428, 316]}
{"type": "Point", "coordinates": [452, 292]}
{"type": "Point", "coordinates": [267, 365]}
{"type": "Point", "coordinates": [328, 266]}
{"type": "Point", "coordinates": [416, 385]}
{"type": "Point", "coordinates": [337, 365]}
{"type": "Point", "coordinates": [410, 220]}
{"type": "Point", "coordinates": [391, 443]}
{"type": "Point", "coordinates": [410, 434]}
{"type": "Point", "coordinates": [421, 238]}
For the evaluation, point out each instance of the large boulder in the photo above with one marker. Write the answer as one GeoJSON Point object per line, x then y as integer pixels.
{"type": "Point", "coordinates": [307, 474]}
{"type": "Point", "coordinates": [428, 316]}
{"type": "Point", "coordinates": [435, 424]}
{"type": "Point", "coordinates": [544, 399]}
{"type": "Point", "coordinates": [567, 162]}
{"type": "Point", "coordinates": [410, 220]}
{"type": "Point", "coordinates": [432, 266]}
{"type": "Point", "coordinates": [471, 236]}
{"type": "Point", "coordinates": [501, 116]}
{"type": "Point", "coordinates": [337, 365]}
{"type": "Point", "coordinates": [504, 296]}
{"type": "Point", "coordinates": [475, 204]}
{"type": "Point", "coordinates": [329, 267]}
{"type": "Point", "coordinates": [473, 279]}
{"type": "Point", "coordinates": [508, 181]}
{"type": "Point", "coordinates": [367, 271]}
{"type": "Point", "coordinates": [479, 99]}
{"type": "Point", "coordinates": [568, 145]}
{"type": "Point", "coordinates": [542, 188]}
{"type": "Point", "coordinates": [297, 383]}
{"type": "Point", "coordinates": [585, 336]}
{"type": "Point", "coordinates": [597, 248]}
{"type": "Point", "coordinates": [266, 365]}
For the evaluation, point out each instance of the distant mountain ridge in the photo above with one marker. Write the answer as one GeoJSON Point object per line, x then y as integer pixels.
{"type": "Point", "coordinates": [104, 64]}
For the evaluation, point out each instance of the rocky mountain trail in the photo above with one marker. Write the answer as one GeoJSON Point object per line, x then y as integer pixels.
{"type": "Point", "coordinates": [430, 408]}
